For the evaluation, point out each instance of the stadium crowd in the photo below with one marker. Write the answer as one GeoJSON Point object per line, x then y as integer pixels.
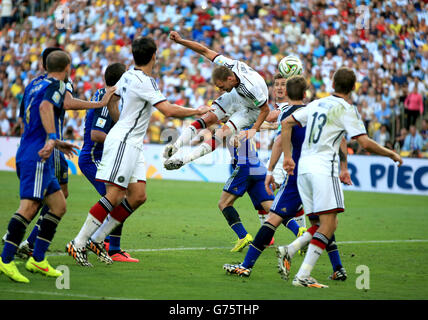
{"type": "Point", "coordinates": [385, 42]}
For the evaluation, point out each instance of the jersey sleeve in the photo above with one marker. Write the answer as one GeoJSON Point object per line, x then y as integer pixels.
{"type": "Point", "coordinates": [69, 86]}
{"type": "Point", "coordinates": [55, 94]}
{"type": "Point", "coordinates": [102, 120]}
{"type": "Point", "coordinates": [301, 116]}
{"type": "Point", "coordinates": [258, 96]}
{"type": "Point", "coordinates": [150, 92]}
{"type": "Point", "coordinates": [353, 124]}
{"type": "Point", "coordinates": [221, 60]}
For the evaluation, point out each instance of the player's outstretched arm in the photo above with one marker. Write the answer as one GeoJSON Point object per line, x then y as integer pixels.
{"type": "Point", "coordinates": [287, 125]}
{"type": "Point", "coordinates": [248, 134]}
{"type": "Point", "coordinates": [71, 103]}
{"type": "Point", "coordinates": [113, 108]}
{"type": "Point", "coordinates": [344, 175]}
{"type": "Point", "coordinates": [193, 45]}
{"type": "Point", "coordinates": [269, 126]}
{"type": "Point", "coordinates": [47, 116]}
{"type": "Point", "coordinates": [176, 111]}
{"type": "Point", "coordinates": [273, 115]}
{"type": "Point", "coordinates": [98, 136]}
{"type": "Point", "coordinates": [69, 149]}
{"type": "Point", "coordinates": [372, 146]}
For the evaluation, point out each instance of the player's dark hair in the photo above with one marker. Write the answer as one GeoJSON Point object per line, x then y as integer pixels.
{"type": "Point", "coordinates": [46, 53]}
{"type": "Point", "coordinates": [278, 76]}
{"type": "Point", "coordinates": [221, 73]}
{"type": "Point", "coordinates": [57, 61]}
{"type": "Point", "coordinates": [113, 73]}
{"type": "Point", "coordinates": [344, 80]}
{"type": "Point", "coordinates": [296, 87]}
{"type": "Point", "coordinates": [143, 49]}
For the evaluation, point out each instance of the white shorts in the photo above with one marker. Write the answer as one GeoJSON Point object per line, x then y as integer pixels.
{"type": "Point", "coordinates": [121, 164]}
{"type": "Point", "coordinates": [231, 105]}
{"type": "Point", "coordinates": [278, 173]}
{"type": "Point", "coordinates": [320, 193]}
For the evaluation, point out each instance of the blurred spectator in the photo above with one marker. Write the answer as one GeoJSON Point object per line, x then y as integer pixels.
{"type": "Point", "coordinates": [413, 106]}
{"type": "Point", "coordinates": [4, 124]}
{"type": "Point", "coordinates": [7, 12]}
{"type": "Point", "coordinates": [384, 115]}
{"type": "Point", "coordinates": [382, 136]}
{"type": "Point", "coordinates": [399, 139]}
{"type": "Point", "coordinates": [413, 142]}
{"type": "Point", "coordinates": [424, 129]}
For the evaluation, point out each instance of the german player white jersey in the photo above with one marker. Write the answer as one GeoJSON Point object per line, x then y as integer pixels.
{"type": "Point", "coordinates": [252, 87]}
{"type": "Point", "coordinates": [138, 94]}
{"type": "Point", "coordinates": [327, 120]}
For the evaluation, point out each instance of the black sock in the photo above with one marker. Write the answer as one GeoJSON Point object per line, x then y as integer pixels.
{"type": "Point", "coordinates": [234, 221]}
{"type": "Point", "coordinates": [15, 233]}
{"type": "Point", "coordinates": [264, 236]}
{"type": "Point", "coordinates": [45, 236]}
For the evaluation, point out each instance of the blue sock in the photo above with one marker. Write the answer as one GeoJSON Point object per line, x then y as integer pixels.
{"type": "Point", "coordinates": [46, 234]}
{"type": "Point", "coordinates": [15, 234]}
{"type": "Point", "coordinates": [292, 225]}
{"type": "Point", "coordinates": [234, 222]}
{"type": "Point", "coordinates": [261, 241]}
{"type": "Point", "coordinates": [115, 238]}
{"type": "Point", "coordinates": [239, 230]}
{"type": "Point", "coordinates": [251, 257]}
{"type": "Point", "coordinates": [33, 235]}
{"type": "Point", "coordinates": [114, 243]}
{"type": "Point", "coordinates": [333, 254]}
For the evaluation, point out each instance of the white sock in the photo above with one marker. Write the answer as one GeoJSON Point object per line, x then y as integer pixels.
{"type": "Point", "coordinates": [108, 225]}
{"type": "Point", "coordinates": [299, 243]}
{"type": "Point", "coordinates": [301, 221]}
{"type": "Point", "coordinates": [186, 136]}
{"type": "Point", "coordinates": [311, 258]}
{"type": "Point", "coordinates": [263, 218]}
{"type": "Point", "coordinates": [200, 151]}
{"type": "Point", "coordinates": [89, 227]}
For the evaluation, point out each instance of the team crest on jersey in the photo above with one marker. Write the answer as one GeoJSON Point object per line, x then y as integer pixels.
{"type": "Point", "coordinates": [101, 123]}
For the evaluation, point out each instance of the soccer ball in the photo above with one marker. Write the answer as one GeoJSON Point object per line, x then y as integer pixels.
{"type": "Point", "coordinates": [290, 66]}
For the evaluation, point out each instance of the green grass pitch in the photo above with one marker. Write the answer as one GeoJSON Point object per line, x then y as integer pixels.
{"type": "Point", "coordinates": [191, 241]}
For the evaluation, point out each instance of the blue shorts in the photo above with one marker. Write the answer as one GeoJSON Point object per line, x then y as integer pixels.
{"type": "Point", "coordinates": [61, 167]}
{"type": "Point", "coordinates": [287, 201]}
{"type": "Point", "coordinates": [36, 179]}
{"type": "Point", "coordinates": [89, 170]}
{"type": "Point", "coordinates": [251, 180]}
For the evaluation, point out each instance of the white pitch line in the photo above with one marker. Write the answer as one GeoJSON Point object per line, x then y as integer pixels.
{"type": "Point", "coordinates": [383, 241]}
{"type": "Point", "coordinates": [217, 248]}
{"type": "Point", "coordinates": [51, 293]}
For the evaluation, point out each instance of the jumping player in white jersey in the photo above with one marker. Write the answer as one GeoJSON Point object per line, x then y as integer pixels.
{"type": "Point", "coordinates": [245, 104]}
{"type": "Point", "coordinates": [327, 121]}
{"type": "Point", "coordinates": [122, 167]}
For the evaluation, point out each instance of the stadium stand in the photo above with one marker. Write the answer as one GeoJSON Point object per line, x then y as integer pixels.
{"type": "Point", "coordinates": [384, 41]}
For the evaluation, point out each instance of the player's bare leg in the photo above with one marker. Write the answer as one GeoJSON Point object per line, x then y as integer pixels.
{"type": "Point", "coordinates": [320, 240]}
{"type": "Point", "coordinates": [176, 162]}
{"type": "Point", "coordinates": [189, 133]}
{"type": "Point", "coordinates": [135, 197]}
{"type": "Point", "coordinates": [26, 247]}
{"type": "Point", "coordinates": [15, 232]}
{"type": "Point", "coordinates": [225, 205]}
{"type": "Point", "coordinates": [38, 262]}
